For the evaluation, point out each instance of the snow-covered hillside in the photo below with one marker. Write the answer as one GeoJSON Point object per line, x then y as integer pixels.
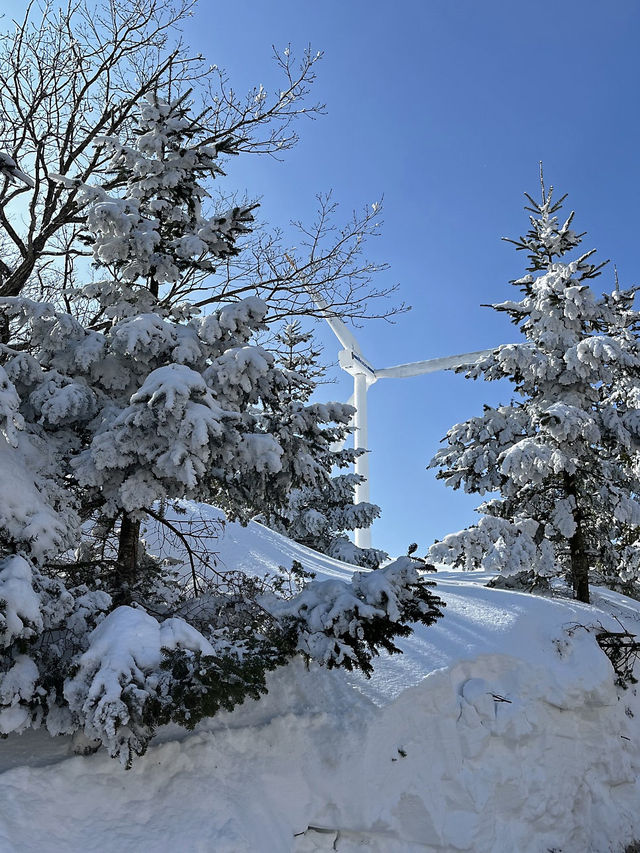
{"type": "Point", "coordinates": [500, 729]}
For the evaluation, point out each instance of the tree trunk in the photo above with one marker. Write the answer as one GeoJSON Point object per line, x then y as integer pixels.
{"type": "Point", "coordinates": [128, 554]}
{"type": "Point", "coordinates": [579, 566]}
{"type": "Point", "coordinates": [14, 283]}
{"type": "Point", "coordinates": [578, 549]}
{"type": "Point", "coordinates": [16, 280]}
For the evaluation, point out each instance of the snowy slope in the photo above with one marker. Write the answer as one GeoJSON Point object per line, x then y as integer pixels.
{"type": "Point", "coordinates": [499, 730]}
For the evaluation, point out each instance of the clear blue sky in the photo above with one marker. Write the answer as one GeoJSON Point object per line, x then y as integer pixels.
{"type": "Point", "coordinates": [445, 108]}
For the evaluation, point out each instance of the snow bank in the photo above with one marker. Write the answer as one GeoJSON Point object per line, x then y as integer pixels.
{"type": "Point", "coordinates": [112, 674]}
{"type": "Point", "coordinates": [499, 730]}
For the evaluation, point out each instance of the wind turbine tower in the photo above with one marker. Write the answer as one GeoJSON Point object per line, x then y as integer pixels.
{"type": "Point", "coordinates": [352, 360]}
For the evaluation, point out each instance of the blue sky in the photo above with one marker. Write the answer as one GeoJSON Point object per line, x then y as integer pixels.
{"type": "Point", "coordinates": [444, 108]}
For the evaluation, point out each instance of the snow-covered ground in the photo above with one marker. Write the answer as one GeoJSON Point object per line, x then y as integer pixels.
{"type": "Point", "coordinates": [500, 729]}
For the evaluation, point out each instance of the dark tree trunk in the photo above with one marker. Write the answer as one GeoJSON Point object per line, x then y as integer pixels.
{"type": "Point", "coordinates": [128, 554]}
{"type": "Point", "coordinates": [578, 549]}
{"type": "Point", "coordinates": [14, 283]}
{"type": "Point", "coordinates": [579, 566]}
{"type": "Point", "coordinates": [4, 330]}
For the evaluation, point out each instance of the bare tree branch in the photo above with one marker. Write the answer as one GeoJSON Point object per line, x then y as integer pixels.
{"type": "Point", "coordinates": [71, 75]}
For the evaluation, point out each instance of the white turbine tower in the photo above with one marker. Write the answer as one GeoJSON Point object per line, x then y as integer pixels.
{"type": "Point", "coordinates": [353, 361]}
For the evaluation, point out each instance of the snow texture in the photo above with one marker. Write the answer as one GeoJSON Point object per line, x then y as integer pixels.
{"type": "Point", "coordinates": [123, 650]}
{"type": "Point", "coordinates": [500, 729]}
{"type": "Point", "coordinates": [26, 516]}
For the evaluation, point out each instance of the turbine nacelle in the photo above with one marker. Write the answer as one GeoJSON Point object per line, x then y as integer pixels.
{"type": "Point", "coordinates": [353, 363]}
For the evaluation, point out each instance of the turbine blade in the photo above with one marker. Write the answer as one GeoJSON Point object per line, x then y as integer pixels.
{"type": "Point", "coordinates": [416, 368]}
{"type": "Point", "coordinates": [342, 333]}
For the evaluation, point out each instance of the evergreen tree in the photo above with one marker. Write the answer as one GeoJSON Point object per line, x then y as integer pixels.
{"type": "Point", "coordinates": [563, 455]}
{"type": "Point", "coordinates": [320, 516]}
{"type": "Point", "coordinates": [295, 351]}
{"type": "Point", "coordinates": [171, 404]}
{"type": "Point", "coordinates": [117, 408]}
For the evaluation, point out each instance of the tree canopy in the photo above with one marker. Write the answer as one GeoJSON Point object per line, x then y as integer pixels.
{"type": "Point", "coordinates": [562, 456]}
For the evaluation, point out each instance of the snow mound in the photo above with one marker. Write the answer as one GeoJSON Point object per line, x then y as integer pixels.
{"type": "Point", "coordinates": [500, 729]}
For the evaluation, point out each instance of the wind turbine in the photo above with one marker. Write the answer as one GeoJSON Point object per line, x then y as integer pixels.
{"type": "Point", "coordinates": [353, 361]}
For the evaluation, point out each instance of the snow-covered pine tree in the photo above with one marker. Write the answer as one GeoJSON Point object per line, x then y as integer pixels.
{"type": "Point", "coordinates": [321, 516]}
{"type": "Point", "coordinates": [118, 402]}
{"type": "Point", "coordinates": [296, 352]}
{"type": "Point", "coordinates": [563, 455]}
{"type": "Point", "coordinates": [181, 405]}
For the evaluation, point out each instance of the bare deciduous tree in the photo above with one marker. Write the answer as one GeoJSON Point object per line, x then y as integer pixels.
{"type": "Point", "coordinates": [71, 75]}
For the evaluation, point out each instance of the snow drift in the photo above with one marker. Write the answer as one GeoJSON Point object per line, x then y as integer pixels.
{"type": "Point", "coordinates": [500, 729]}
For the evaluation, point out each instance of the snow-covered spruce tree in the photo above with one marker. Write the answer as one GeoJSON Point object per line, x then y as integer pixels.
{"type": "Point", "coordinates": [296, 352]}
{"type": "Point", "coordinates": [320, 516]}
{"type": "Point", "coordinates": [117, 406]}
{"type": "Point", "coordinates": [563, 456]}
